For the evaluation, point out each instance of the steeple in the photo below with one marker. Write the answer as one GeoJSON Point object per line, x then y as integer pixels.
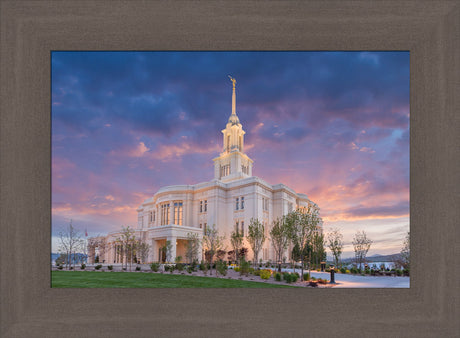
{"type": "Point", "coordinates": [233, 119]}
{"type": "Point", "coordinates": [232, 162]}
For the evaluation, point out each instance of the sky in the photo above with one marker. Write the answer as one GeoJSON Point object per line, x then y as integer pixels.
{"type": "Point", "coordinates": [331, 125]}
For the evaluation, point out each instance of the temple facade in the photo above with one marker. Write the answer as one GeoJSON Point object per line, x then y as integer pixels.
{"type": "Point", "coordinates": [228, 201]}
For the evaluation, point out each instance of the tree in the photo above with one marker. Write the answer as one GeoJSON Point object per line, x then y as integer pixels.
{"type": "Point", "coordinates": [335, 243]}
{"type": "Point", "coordinates": [302, 224]}
{"type": "Point", "coordinates": [236, 240]}
{"type": "Point", "coordinates": [280, 238]}
{"type": "Point", "coordinates": [404, 259]}
{"type": "Point", "coordinates": [256, 238]}
{"type": "Point", "coordinates": [167, 250]}
{"type": "Point", "coordinates": [193, 246]}
{"type": "Point", "coordinates": [127, 242]}
{"type": "Point", "coordinates": [319, 253]}
{"type": "Point", "coordinates": [212, 243]}
{"type": "Point", "coordinates": [142, 250]}
{"type": "Point", "coordinates": [70, 241]}
{"type": "Point", "coordinates": [361, 245]}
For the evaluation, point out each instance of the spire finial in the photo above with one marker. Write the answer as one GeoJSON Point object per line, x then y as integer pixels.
{"type": "Point", "coordinates": [233, 95]}
{"type": "Point", "coordinates": [233, 80]}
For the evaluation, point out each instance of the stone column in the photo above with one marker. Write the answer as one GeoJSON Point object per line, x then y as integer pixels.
{"type": "Point", "coordinates": [171, 213]}
{"type": "Point", "coordinates": [91, 254]}
{"type": "Point", "coordinates": [173, 247]}
{"type": "Point", "coordinates": [154, 251]}
{"type": "Point", "coordinates": [200, 251]}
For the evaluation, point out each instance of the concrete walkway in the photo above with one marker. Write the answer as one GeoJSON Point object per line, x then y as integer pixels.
{"type": "Point", "coordinates": [358, 281]}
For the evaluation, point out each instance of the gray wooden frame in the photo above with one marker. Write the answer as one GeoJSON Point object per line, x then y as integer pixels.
{"type": "Point", "coordinates": [31, 29]}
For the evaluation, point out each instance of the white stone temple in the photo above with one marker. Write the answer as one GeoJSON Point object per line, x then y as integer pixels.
{"type": "Point", "coordinates": [228, 201]}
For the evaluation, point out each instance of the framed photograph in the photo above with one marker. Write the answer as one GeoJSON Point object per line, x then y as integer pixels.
{"type": "Point", "coordinates": [297, 173]}
{"type": "Point", "coordinates": [31, 33]}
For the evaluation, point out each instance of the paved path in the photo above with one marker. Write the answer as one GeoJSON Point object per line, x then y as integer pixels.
{"type": "Point", "coordinates": [358, 281]}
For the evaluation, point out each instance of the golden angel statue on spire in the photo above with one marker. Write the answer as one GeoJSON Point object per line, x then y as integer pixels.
{"type": "Point", "coordinates": [233, 80]}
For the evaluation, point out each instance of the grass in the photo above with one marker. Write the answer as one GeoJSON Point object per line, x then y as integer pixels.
{"type": "Point", "coordinates": [93, 279]}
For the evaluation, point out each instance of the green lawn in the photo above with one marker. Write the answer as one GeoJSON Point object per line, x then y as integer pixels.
{"type": "Point", "coordinates": [93, 279]}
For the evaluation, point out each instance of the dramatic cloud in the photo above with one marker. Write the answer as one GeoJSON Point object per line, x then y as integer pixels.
{"type": "Point", "coordinates": [332, 125]}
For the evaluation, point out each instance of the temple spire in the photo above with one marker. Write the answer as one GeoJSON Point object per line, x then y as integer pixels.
{"type": "Point", "coordinates": [234, 95]}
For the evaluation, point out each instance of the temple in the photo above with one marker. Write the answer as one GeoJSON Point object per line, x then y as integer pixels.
{"type": "Point", "coordinates": [228, 201]}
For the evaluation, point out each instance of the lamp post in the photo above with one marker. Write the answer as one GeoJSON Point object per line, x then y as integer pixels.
{"type": "Point", "coordinates": [332, 275]}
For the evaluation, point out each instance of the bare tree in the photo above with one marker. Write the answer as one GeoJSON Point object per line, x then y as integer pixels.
{"type": "Point", "coordinates": [193, 246]}
{"type": "Point", "coordinates": [302, 226]}
{"type": "Point", "coordinates": [127, 242]}
{"type": "Point", "coordinates": [361, 245]}
{"type": "Point", "coordinates": [280, 238]}
{"type": "Point", "coordinates": [70, 241]}
{"type": "Point", "coordinates": [167, 249]}
{"type": "Point", "coordinates": [142, 249]}
{"type": "Point", "coordinates": [212, 243]}
{"type": "Point", "coordinates": [236, 240]}
{"type": "Point", "coordinates": [256, 238]}
{"type": "Point", "coordinates": [335, 244]}
{"type": "Point", "coordinates": [404, 256]}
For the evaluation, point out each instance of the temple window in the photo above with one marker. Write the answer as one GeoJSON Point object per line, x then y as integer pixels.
{"type": "Point", "coordinates": [178, 213]}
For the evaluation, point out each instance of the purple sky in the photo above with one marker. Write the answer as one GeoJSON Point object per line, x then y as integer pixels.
{"type": "Point", "coordinates": [332, 125]}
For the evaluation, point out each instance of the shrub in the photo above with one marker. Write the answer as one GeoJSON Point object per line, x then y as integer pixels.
{"type": "Point", "coordinates": [190, 269]}
{"type": "Point", "coordinates": [252, 271]}
{"type": "Point", "coordinates": [172, 267]}
{"type": "Point", "coordinates": [83, 266]}
{"type": "Point", "coordinates": [287, 277]}
{"type": "Point", "coordinates": [155, 267]}
{"type": "Point", "coordinates": [257, 272]}
{"type": "Point", "coordinates": [322, 281]}
{"type": "Point", "coordinates": [194, 265]}
{"type": "Point", "coordinates": [60, 267]}
{"type": "Point", "coordinates": [343, 270]}
{"type": "Point", "coordinates": [97, 267]}
{"type": "Point", "coordinates": [166, 267]}
{"type": "Point", "coordinates": [278, 277]}
{"type": "Point", "coordinates": [244, 267]}
{"type": "Point", "coordinates": [204, 267]}
{"type": "Point", "coordinates": [313, 284]}
{"type": "Point", "coordinates": [124, 269]}
{"type": "Point", "coordinates": [306, 276]}
{"type": "Point", "coordinates": [399, 272]}
{"type": "Point", "coordinates": [265, 274]}
{"type": "Point", "coordinates": [221, 268]}
{"type": "Point", "coordinates": [347, 271]}
{"type": "Point", "coordinates": [110, 267]}
{"type": "Point", "coordinates": [138, 268]}
{"type": "Point", "coordinates": [71, 268]}
{"type": "Point", "coordinates": [294, 277]}
{"type": "Point", "coordinates": [180, 266]}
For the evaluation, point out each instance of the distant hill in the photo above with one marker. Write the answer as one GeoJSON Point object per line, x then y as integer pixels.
{"type": "Point", "coordinates": [54, 256]}
{"type": "Point", "coordinates": [374, 258]}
